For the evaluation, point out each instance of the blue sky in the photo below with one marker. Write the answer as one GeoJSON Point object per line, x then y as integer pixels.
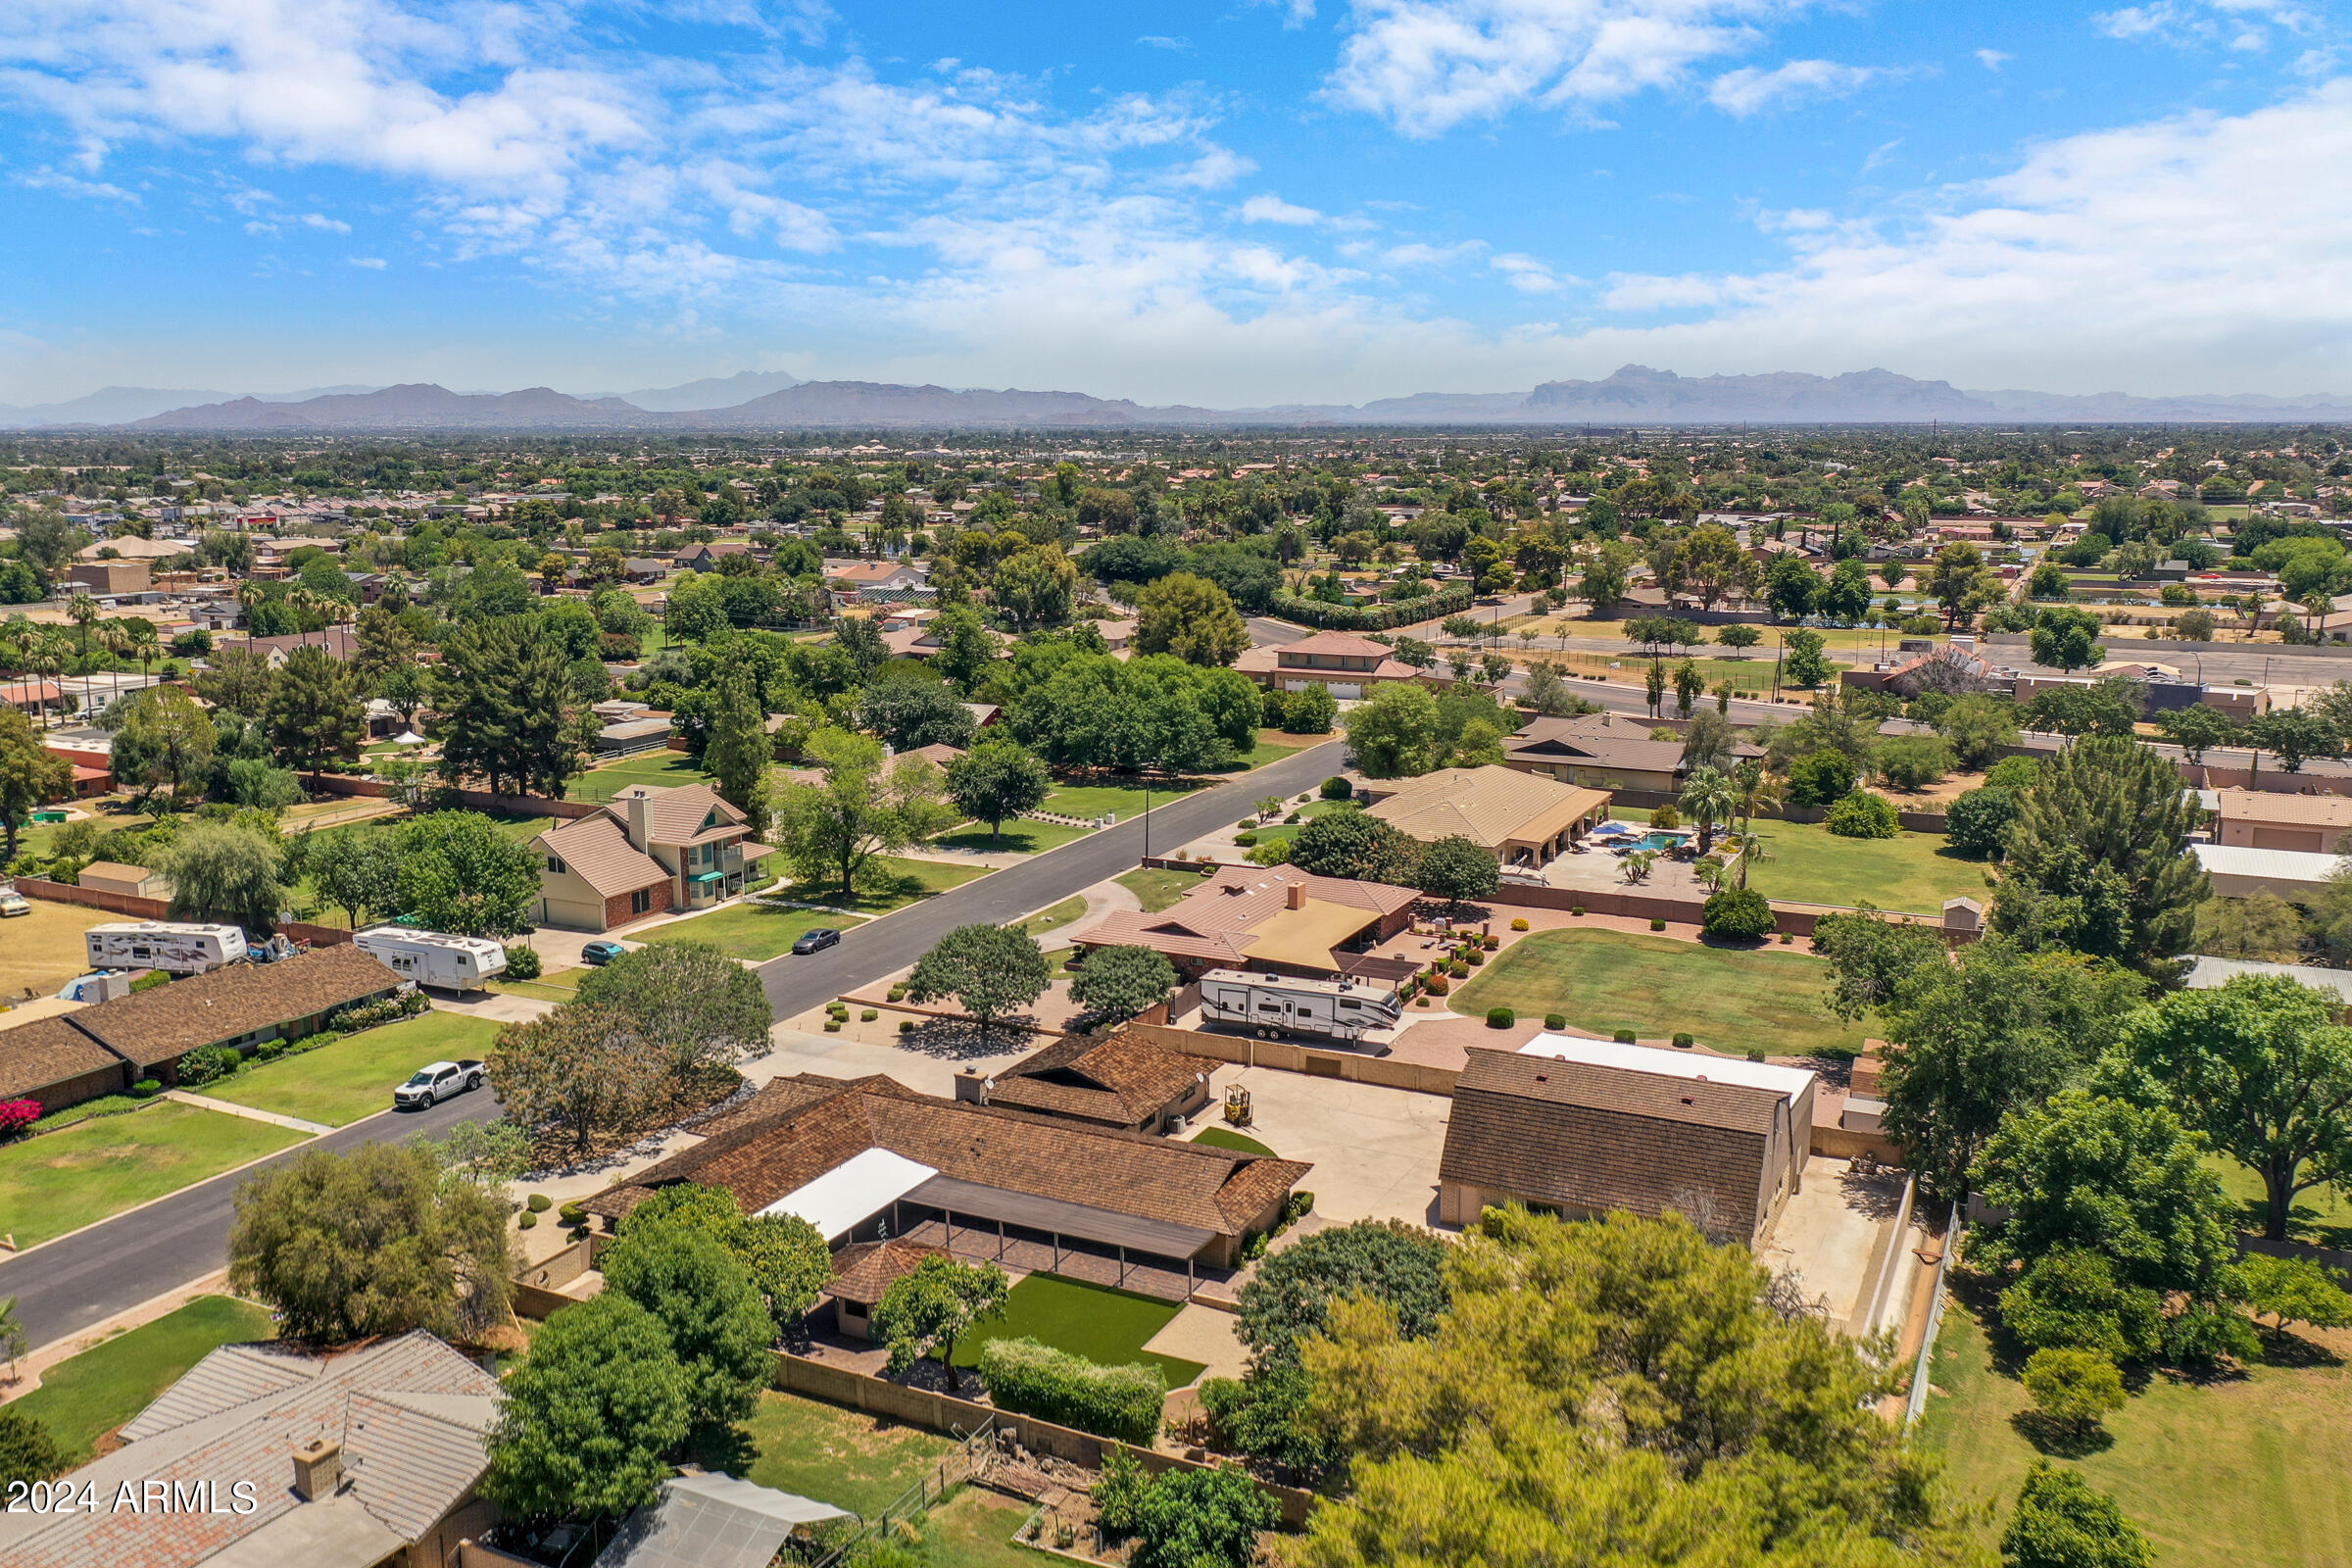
{"type": "Point", "coordinates": [1301, 200]}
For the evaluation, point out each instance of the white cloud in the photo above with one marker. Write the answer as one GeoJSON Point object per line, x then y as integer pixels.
{"type": "Point", "coordinates": [66, 184]}
{"type": "Point", "coordinates": [1297, 14]}
{"type": "Point", "coordinates": [1272, 209]}
{"type": "Point", "coordinates": [1425, 66]}
{"type": "Point", "coordinates": [1742, 92]}
{"type": "Point", "coordinates": [1993, 59]}
{"type": "Point", "coordinates": [319, 220]}
{"type": "Point", "coordinates": [2242, 26]}
{"type": "Point", "coordinates": [1526, 275]}
{"type": "Point", "coordinates": [1418, 254]}
{"type": "Point", "coordinates": [1215, 167]}
{"type": "Point", "coordinates": [374, 264]}
{"type": "Point", "coordinates": [1155, 41]}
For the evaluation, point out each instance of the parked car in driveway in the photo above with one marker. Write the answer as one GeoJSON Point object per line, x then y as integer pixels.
{"type": "Point", "coordinates": [816, 939]}
{"type": "Point", "coordinates": [596, 953]}
{"type": "Point", "coordinates": [436, 1080]}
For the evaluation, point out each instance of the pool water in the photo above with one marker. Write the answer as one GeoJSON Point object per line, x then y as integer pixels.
{"type": "Point", "coordinates": [1657, 841]}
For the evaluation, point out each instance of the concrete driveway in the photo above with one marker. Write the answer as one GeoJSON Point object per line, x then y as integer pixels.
{"type": "Point", "coordinates": [1375, 1150]}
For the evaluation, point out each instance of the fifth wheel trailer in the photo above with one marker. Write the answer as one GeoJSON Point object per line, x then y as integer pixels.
{"type": "Point", "coordinates": [1281, 1004]}
{"type": "Point", "coordinates": [172, 945]}
{"type": "Point", "coordinates": [434, 957]}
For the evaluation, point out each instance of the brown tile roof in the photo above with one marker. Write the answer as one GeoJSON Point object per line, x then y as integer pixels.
{"type": "Point", "coordinates": [157, 1025]}
{"type": "Point", "coordinates": [676, 815]}
{"type": "Point", "coordinates": [765, 1156]}
{"type": "Point", "coordinates": [1124, 1080]}
{"type": "Point", "coordinates": [47, 1051]}
{"type": "Point", "coordinates": [1338, 643]}
{"type": "Point", "coordinates": [1488, 806]}
{"type": "Point", "coordinates": [600, 851]}
{"type": "Point", "coordinates": [863, 1270]}
{"type": "Point", "coordinates": [1216, 921]}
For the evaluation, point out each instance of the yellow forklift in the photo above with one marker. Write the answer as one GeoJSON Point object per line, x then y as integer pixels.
{"type": "Point", "coordinates": [1237, 1106]}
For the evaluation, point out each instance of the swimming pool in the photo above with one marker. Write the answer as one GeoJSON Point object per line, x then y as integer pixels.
{"type": "Point", "coordinates": [1656, 840]}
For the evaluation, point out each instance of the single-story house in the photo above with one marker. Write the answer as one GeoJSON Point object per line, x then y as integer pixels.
{"type": "Point", "coordinates": [268, 1455]}
{"type": "Point", "coordinates": [1521, 818]}
{"type": "Point", "coordinates": [1603, 750]}
{"type": "Point", "coordinates": [1349, 665]}
{"type": "Point", "coordinates": [858, 1157]}
{"type": "Point", "coordinates": [864, 1272]}
{"type": "Point", "coordinates": [45, 1059]}
{"type": "Point", "coordinates": [706, 556]}
{"type": "Point", "coordinates": [851, 577]}
{"type": "Point", "coordinates": [1582, 1126]}
{"type": "Point", "coordinates": [1124, 1081]}
{"type": "Point", "coordinates": [1275, 920]}
{"type": "Point", "coordinates": [32, 698]}
{"type": "Point", "coordinates": [2266, 819]}
{"type": "Point", "coordinates": [339, 643]}
{"type": "Point", "coordinates": [646, 850]}
{"type": "Point", "coordinates": [112, 876]}
{"type": "Point", "coordinates": [2239, 871]}
{"type": "Point", "coordinates": [240, 1004]}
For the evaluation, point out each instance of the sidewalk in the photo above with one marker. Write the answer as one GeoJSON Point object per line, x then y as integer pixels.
{"type": "Point", "coordinates": [207, 1102]}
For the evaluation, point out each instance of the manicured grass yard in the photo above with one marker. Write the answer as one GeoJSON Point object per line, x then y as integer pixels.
{"type": "Point", "coordinates": [1158, 889]}
{"type": "Point", "coordinates": [2246, 1472]}
{"type": "Point", "coordinates": [84, 1398]}
{"type": "Point", "coordinates": [42, 951]}
{"type": "Point", "coordinates": [1731, 999]}
{"type": "Point", "coordinates": [1066, 913]}
{"type": "Point", "coordinates": [1272, 746]}
{"type": "Point", "coordinates": [1090, 1320]}
{"type": "Point", "coordinates": [1021, 836]}
{"type": "Point", "coordinates": [1090, 801]}
{"type": "Point", "coordinates": [66, 1180]}
{"type": "Point", "coordinates": [355, 1077]}
{"type": "Point", "coordinates": [1913, 872]}
{"type": "Point", "coordinates": [2322, 1215]}
{"type": "Point", "coordinates": [891, 882]}
{"type": "Point", "coordinates": [662, 769]}
{"type": "Point", "coordinates": [1226, 1138]}
{"type": "Point", "coordinates": [843, 1458]}
{"type": "Point", "coordinates": [1279, 831]}
{"type": "Point", "coordinates": [974, 1529]}
{"type": "Point", "coordinates": [754, 931]}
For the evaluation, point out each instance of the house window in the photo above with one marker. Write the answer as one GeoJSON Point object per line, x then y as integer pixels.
{"type": "Point", "coordinates": [555, 864]}
{"type": "Point", "coordinates": [641, 901]}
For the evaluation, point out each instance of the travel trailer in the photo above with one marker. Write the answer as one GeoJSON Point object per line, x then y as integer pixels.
{"type": "Point", "coordinates": [1280, 1003]}
{"type": "Point", "coordinates": [180, 949]}
{"type": "Point", "coordinates": [435, 958]}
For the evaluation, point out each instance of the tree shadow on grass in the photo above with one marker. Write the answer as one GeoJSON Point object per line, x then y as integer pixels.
{"type": "Point", "coordinates": [2061, 1439]}
{"type": "Point", "coordinates": [2283, 1348]}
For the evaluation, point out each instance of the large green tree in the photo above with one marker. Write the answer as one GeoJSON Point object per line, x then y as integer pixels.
{"type": "Point", "coordinates": [1394, 733]}
{"type": "Point", "coordinates": [162, 739]}
{"type": "Point", "coordinates": [32, 776]}
{"type": "Point", "coordinates": [1291, 1296]}
{"type": "Point", "coordinates": [577, 1074]}
{"type": "Point", "coordinates": [506, 691]}
{"type": "Point", "coordinates": [866, 806]}
{"type": "Point", "coordinates": [718, 1325]}
{"type": "Point", "coordinates": [589, 1418]}
{"type": "Point", "coordinates": [989, 969]}
{"type": "Point", "coordinates": [1456, 869]}
{"type": "Point", "coordinates": [358, 872]}
{"type": "Point", "coordinates": [2098, 859]}
{"type": "Point", "coordinates": [2063, 1521]}
{"type": "Point", "coordinates": [689, 1000]}
{"type": "Point", "coordinates": [2067, 640]}
{"type": "Point", "coordinates": [785, 1256]}
{"type": "Point", "coordinates": [1118, 983]}
{"type": "Point", "coordinates": [224, 872]}
{"type": "Point", "coordinates": [933, 1304]}
{"type": "Point", "coordinates": [1191, 618]}
{"type": "Point", "coordinates": [313, 713]}
{"type": "Point", "coordinates": [2260, 1068]}
{"type": "Point", "coordinates": [1358, 846]}
{"type": "Point", "coordinates": [996, 780]}
{"type": "Point", "coordinates": [738, 753]}
{"type": "Point", "coordinates": [459, 873]}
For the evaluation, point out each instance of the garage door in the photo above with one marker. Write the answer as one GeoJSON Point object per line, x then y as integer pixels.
{"type": "Point", "coordinates": [2289, 838]}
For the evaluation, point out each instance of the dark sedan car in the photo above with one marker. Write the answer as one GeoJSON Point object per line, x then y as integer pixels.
{"type": "Point", "coordinates": [816, 941]}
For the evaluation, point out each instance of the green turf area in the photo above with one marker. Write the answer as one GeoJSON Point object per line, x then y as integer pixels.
{"type": "Point", "coordinates": [83, 1399]}
{"type": "Point", "coordinates": [1807, 863]}
{"type": "Point", "coordinates": [889, 882]}
{"type": "Point", "coordinates": [2323, 1215]}
{"type": "Point", "coordinates": [754, 931]}
{"type": "Point", "coordinates": [974, 1529]}
{"type": "Point", "coordinates": [1279, 831]}
{"type": "Point", "coordinates": [851, 1460]}
{"type": "Point", "coordinates": [559, 986]}
{"type": "Point", "coordinates": [662, 769]}
{"type": "Point", "coordinates": [1103, 1325]}
{"type": "Point", "coordinates": [1021, 836]}
{"type": "Point", "coordinates": [1090, 801]}
{"type": "Point", "coordinates": [1062, 916]}
{"type": "Point", "coordinates": [1223, 1138]}
{"type": "Point", "coordinates": [1731, 999]}
{"type": "Point", "coordinates": [2240, 1472]}
{"type": "Point", "coordinates": [1272, 746]}
{"type": "Point", "coordinates": [355, 1077]}
{"type": "Point", "coordinates": [1157, 889]}
{"type": "Point", "coordinates": [63, 1181]}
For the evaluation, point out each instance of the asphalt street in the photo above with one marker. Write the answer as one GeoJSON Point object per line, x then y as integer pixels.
{"type": "Point", "coordinates": [86, 1277]}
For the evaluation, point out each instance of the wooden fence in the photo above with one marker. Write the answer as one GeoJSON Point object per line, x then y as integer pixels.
{"type": "Point", "coordinates": [136, 908]}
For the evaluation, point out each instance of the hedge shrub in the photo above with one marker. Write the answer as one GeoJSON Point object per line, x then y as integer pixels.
{"type": "Point", "coordinates": [1556, 1020]}
{"type": "Point", "coordinates": [522, 962]}
{"type": "Point", "coordinates": [18, 1114]}
{"type": "Point", "coordinates": [1109, 1402]}
{"type": "Point", "coordinates": [1336, 787]}
{"type": "Point", "coordinates": [1448, 601]}
{"type": "Point", "coordinates": [1739, 914]}
{"type": "Point", "coordinates": [209, 1064]}
{"type": "Point", "coordinates": [539, 1203]}
{"type": "Point", "coordinates": [147, 1088]}
{"type": "Point", "coordinates": [1864, 816]}
{"type": "Point", "coordinates": [1501, 1017]}
{"type": "Point", "coordinates": [1683, 1042]}
{"type": "Point", "coordinates": [1624, 1037]}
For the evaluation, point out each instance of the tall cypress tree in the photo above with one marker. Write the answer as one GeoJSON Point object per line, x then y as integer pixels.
{"type": "Point", "coordinates": [506, 690]}
{"type": "Point", "coordinates": [738, 752]}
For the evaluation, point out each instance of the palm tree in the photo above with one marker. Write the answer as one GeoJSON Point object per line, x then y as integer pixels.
{"type": "Point", "coordinates": [1708, 798]}
{"type": "Point", "coordinates": [144, 640]}
{"type": "Point", "coordinates": [12, 1335]}
{"type": "Point", "coordinates": [1636, 865]}
{"type": "Point", "coordinates": [82, 610]}
{"type": "Point", "coordinates": [1759, 791]}
{"type": "Point", "coordinates": [1751, 848]}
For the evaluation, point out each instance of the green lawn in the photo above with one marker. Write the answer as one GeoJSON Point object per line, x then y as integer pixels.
{"type": "Point", "coordinates": [1090, 801]}
{"type": "Point", "coordinates": [1158, 889]}
{"type": "Point", "coordinates": [355, 1077]}
{"type": "Point", "coordinates": [1103, 1325]}
{"type": "Point", "coordinates": [2247, 1472]}
{"type": "Point", "coordinates": [1066, 913]}
{"type": "Point", "coordinates": [754, 931]}
{"type": "Point", "coordinates": [891, 882]}
{"type": "Point", "coordinates": [1915, 872]}
{"type": "Point", "coordinates": [1021, 836]}
{"type": "Point", "coordinates": [63, 1181]}
{"type": "Point", "coordinates": [1731, 999]}
{"type": "Point", "coordinates": [839, 1456]}
{"type": "Point", "coordinates": [1225, 1137]}
{"type": "Point", "coordinates": [84, 1398]}
{"type": "Point", "coordinates": [1279, 831]}
{"type": "Point", "coordinates": [2322, 1215]}
{"type": "Point", "coordinates": [662, 768]}
{"type": "Point", "coordinates": [974, 1529]}
{"type": "Point", "coordinates": [1272, 746]}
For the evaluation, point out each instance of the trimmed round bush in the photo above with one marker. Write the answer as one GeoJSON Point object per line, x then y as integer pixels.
{"type": "Point", "coordinates": [905, 1026]}
{"type": "Point", "coordinates": [1501, 1017]}
{"type": "Point", "coordinates": [1787, 937]}
{"type": "Point", "coordinates": [1683, 1042]}
{"type": "Point", "coordinates": [1657, 924]}
{"type": "Point", "coordinates": [832, 1026]}
{"type": "Point", "coordinates": [526, 1220]}
{"type": "Point", "coordinates": [1519, 924]}
{"type": "Point", "coordinates": [1624, 1037]}
{"type": "Point", "coordinates": [572, 1214]}
{"type": "Point", "coordinates": [1864, 816]}
{"type": "Point", "coordinates": [539, 1203]}
{"type": "Point", "coordinates": [522, 962]}
{"type": "Point", "coordinates": [867, 1015]}
{"type": "Point", "coordinates": [146, 1086]}
{"type": "Point", "coordinates": [1577, 910]}
{"type": "Point", "coordinates": [1739, 914]}
{"type": "Point", "coordinates": [1336, 787]}
{"type": "Point", "coordinates": [1556, 1020]}
{"type": "Point", "coordinates": [1420, 1002]}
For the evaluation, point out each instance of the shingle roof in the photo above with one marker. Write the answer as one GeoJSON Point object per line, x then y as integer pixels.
{"type": "Point", "coordinates": [411, 1414]}
{"type": "Point", "coordinates": [152, 1026]}
{"type": "Point", "coordinates": [41, 1052]}
{"type": "Point", "coordinates": [1122, 1080]}
{"type": "Point", "coordinates": [674, 815]}
{"type": "Point", "coordinates": [1218, 921]}
{"type": "Point", "coordinates": [1489, 806]}
{"type": "Point", "coordinates": [600, 851]}
{"type": "Point", "coordinates": [863, 1270]}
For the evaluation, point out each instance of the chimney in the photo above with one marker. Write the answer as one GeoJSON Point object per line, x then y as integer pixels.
{"type": "Point", "coordinates": [1297, 898]}
{"type": "Point", "coordinates": [317, 1470]}
{"type": "Point", "coordinates": [971, 1088]}
{"type": "Point", "coordinates": [641, 813]}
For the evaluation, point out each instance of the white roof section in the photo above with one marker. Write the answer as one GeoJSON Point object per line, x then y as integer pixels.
{"type": "Point", "coordinates": [858, 1187]}
{"type": "Point", "coordinates": [2281, 865]}
{"type": "Point", "coordinates": [1788, 1082]}
{"type": "Point", "coordinates": [399, 935]}
{"type": "Point", "coordinates": [2211, 974]}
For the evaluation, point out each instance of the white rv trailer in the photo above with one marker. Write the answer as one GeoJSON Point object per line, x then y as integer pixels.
{"type": "Point", "coordinates": [434, 957]}
{"type": "Point", "coordinates": [180, 949]}
{"type": "Point", "coordinates": [1282, 1003]}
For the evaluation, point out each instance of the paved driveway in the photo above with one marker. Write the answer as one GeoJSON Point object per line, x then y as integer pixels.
{"type": "Point", "coordinates": [1375, 1150]}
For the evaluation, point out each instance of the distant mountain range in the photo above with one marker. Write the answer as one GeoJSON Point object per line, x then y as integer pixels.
{"type": "Point", "coordinates": [755, 400]}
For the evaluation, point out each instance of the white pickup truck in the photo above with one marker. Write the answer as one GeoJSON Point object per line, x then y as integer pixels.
{"type": "Point", "coordinates": [436, 1080]}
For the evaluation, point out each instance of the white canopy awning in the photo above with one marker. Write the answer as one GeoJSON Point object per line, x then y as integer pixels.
{"type": "Point", "coordinates": [857, 1189]}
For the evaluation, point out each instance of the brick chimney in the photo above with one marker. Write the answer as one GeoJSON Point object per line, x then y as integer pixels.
{"type": "Point", "coordinates": [1297, 898]}
{"type": "Point", "coordinates": [317, 1470]}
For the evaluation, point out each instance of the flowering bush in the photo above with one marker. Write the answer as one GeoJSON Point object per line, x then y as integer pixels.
{"type": "Point", "coordinates": [18, 1114]}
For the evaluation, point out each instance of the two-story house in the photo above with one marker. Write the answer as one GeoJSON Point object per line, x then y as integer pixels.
{"type": "Point", "coordinates": [1349, 664]}
{"type": "Point", "coordinates": [644, 851]}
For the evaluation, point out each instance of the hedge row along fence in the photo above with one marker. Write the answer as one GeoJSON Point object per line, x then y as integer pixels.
{"type": "Point", "coordinates": [1109, 1402]}
{"type": "Point", "coordinates": [1453, 601]}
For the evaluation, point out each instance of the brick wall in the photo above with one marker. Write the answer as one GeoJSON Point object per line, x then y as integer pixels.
{"type": "Point", "coordinates": [620, 908]}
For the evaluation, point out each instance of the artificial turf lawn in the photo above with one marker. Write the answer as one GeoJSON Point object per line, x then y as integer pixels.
{"type": "Point", "coordinates": [1915, 872]}
{"type": "Point", "coordinates": [1106, 1326]}
{"type": "Point", "coordinates": [83, 1399]}
{"type": "Point", "coordinates": [2253, 1471]}
{"type": "Point", "coordinates": [355, 1077]}
{"type": "Point", "coordinates": [1731, 999]}
{"type": "Point", "coordinates": [888, 882]}
{"type": "Point", "coordinates": [65, 1180]}
{"type": "Point", "coordinates": [754, 931]}
{"type": "Point", "coordinates": [849, 1459]}
{"type": "Point", "coordinates": [1224, 1137]}
{"type": "Point", "coordinates": [1158, 889]}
